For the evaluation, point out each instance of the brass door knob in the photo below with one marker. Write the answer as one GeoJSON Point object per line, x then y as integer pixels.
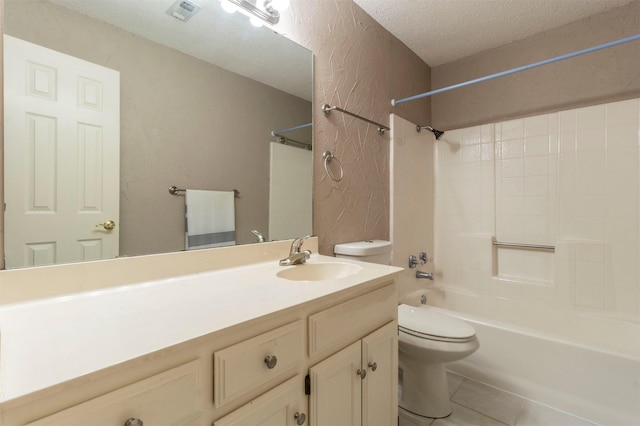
{"type": "Point", "coordinates": [108, 225]}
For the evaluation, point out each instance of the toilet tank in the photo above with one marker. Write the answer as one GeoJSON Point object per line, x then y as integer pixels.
{"type": "Point", "coordinates": [374, 251]}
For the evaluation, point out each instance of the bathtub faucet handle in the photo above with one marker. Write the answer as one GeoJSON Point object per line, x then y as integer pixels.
{"type": "Point", "coordinates": [423, 258]}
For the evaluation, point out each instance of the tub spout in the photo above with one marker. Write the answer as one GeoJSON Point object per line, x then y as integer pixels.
{"type": "Point", "coordinates": [424, 275]}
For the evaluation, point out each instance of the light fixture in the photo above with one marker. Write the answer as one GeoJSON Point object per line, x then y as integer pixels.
{"type": "Point", "coordinates": [269, 13]}
{"type": "Point", "coordinates": [256, 22]}
{"type": "Point", "coordinates": [228, 7]}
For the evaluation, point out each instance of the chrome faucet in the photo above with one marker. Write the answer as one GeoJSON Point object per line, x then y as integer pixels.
{"type": "Point", "coordinates": [296, 257]}
{"type": "Point", "coordinates": [426, 275]}
{"type": "Point", "coordinates": [258, 235]}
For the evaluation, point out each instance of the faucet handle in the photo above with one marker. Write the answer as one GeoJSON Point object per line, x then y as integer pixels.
{"type": "Point", "coordinates": [297, 243]}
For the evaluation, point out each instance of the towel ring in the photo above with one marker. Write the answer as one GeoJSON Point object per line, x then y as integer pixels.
{"type": "Point", "coordinates": [328, 157]}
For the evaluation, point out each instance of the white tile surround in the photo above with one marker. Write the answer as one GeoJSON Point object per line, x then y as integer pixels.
{"type": "Point", "coordinates": [569, 179]}
{"type": "Point", "coordinates": [512, 181]}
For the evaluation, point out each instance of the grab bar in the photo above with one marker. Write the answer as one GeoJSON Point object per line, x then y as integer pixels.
{"type": "Point", "coordinates": [525, 246]}
{"type": "Point", "coordinates": [292, 142]}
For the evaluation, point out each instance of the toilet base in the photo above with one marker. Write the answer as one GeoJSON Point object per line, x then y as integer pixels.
{"type": "Point", "coordinates": [413, 418]}
{"type": "Point", "coordinates": [425, 391]}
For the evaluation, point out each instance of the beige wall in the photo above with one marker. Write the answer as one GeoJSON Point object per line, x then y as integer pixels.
{"type": "Point", "coordinates": [1, 144]}
{"type": "Point", "coordinates": [607, 75]}
{"type": "Point", "coordinates": [179, 125]}
{"type": "Point", "coordinates": [360, 67]}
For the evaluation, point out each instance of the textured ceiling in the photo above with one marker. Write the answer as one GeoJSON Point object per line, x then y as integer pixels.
{"type": "Point", "coordinates": [441, 31]}
{"type": "Point", "coordinates": [212, 35]}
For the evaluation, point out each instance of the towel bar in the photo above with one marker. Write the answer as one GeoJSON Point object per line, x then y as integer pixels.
{"type": "Point", "coordinates": [174, 190]}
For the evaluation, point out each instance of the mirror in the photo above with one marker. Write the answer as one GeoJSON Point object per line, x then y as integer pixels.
{"type": "Point", "coordinates": [199, 101]}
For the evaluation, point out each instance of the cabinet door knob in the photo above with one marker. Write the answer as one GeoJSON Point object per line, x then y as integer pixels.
{"type": "Point", "coordinates": [270, 361]}
{"type": "Point", "coordinates": [300, 418]}
{"type": "Point", "coordinates": [133, 422]}
{"type": "Point", "coordinates": [373, 366]}
{"type": "Point", "coordinates": [361, 373]}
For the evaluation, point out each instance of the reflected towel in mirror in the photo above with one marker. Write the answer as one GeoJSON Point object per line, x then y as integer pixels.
{"type": "Point", "coordinates": [210, 219]}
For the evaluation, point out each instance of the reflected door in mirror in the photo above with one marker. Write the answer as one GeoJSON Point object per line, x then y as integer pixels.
{"type": "Point", "coordinates": [62, 130]}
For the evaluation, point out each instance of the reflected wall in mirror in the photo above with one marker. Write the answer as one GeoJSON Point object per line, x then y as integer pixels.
{"type": "Point", "coordinates": [185, 118]}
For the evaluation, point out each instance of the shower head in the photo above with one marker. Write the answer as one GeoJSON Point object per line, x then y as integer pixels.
{"type": "Point", "coordinates": [437, 133]}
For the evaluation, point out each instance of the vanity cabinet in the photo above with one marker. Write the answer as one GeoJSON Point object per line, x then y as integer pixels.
{"type": "Point", "coordinates": [329, 361]}
{"type": "Point", "coordinates": [353, 347]}
{"type": "Point", "coordinates": [358, 384]}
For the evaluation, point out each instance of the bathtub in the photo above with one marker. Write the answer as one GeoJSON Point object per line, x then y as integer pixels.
{"type": "Point", "coordinates": [549, 360]}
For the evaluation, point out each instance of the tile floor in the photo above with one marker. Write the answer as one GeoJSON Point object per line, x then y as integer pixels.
{"type": "Point", "coordinates": [476, 404]}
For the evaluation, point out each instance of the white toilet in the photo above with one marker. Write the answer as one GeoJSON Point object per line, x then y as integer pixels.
{"type": "Point", "coordinates": [374, 251]}
{"type": "Point", "coordinates": [427, 340]}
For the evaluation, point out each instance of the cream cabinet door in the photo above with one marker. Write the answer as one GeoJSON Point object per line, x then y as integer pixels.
{"type": "Point", "coordinates": [285, 405]}
{"type": "Point", "coordinates": [168, 398]}
{"type": "Point", "coordinates": [380, 386]}
{"type": "Point", "coordinates": [336, 394]}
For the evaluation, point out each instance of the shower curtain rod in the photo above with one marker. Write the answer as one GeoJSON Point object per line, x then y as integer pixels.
{"type": "Point", "coordinates": [395, 102]}
{"type": "Point", "coordinates": [290, 129]}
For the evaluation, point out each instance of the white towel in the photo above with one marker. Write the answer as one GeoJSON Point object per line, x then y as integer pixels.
{"type": "Point", "coordinates": [210, 219]}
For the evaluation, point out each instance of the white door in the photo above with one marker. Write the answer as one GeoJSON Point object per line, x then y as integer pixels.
{"type": "Point", "coordinates": [62, 157]}
{"type": "Point", "coordinates": [380, 387]}
{"type": "Point", "coordinates": [336, 394]}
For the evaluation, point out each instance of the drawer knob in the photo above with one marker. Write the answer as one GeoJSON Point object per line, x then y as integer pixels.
{"type": "Point", "coordinates": [133, 422]}
{"type": "Point", "coordinates": [373, 366]}
{"type": "Point", "coordinates": [361, 373]}
{"type": "Point", "coordinates": [300, 418]}
{"type": "Point", "coordinates": [271, 361]}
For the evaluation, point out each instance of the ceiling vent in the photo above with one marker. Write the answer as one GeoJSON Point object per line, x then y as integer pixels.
{"type": "Point", "coordinates": [183, 10]}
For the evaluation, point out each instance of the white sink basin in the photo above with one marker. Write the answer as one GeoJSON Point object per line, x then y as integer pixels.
{"type": "Point", "coordinates": [319, 271]}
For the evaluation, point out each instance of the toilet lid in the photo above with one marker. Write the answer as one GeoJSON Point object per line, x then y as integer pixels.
{"type": "Point", "coordinates": [426, 321]}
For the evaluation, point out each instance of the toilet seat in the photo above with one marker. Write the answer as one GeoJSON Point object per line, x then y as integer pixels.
{"type": "Point", "coordinates": [425, 323]}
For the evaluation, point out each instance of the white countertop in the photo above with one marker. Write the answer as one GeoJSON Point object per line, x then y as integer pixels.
{"type": "Point", "coordinates": [49, 341]}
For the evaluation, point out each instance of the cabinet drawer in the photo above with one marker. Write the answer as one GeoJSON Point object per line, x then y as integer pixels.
{"type": "Point", "coordinates": [168, 398]}
{"type": "Point", "coordinates": [242, 367]}
{"type": "Point", "coordinates": [284, 405]}
{"type": "Point", "coordinates": [336, 327]}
